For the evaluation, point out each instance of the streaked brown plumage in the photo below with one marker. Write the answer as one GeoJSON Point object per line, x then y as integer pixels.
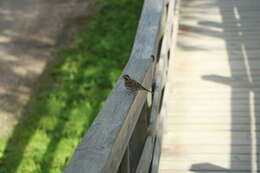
{"type": "Point", "coordinates": [132, 84]}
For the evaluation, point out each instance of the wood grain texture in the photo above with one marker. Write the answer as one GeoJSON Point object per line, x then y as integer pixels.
{"type": "Point", "coordinates": [156, 155]}
{"type": "Point", "coordinates": [102, 148]}
{"type": "Point", "coordinates": [125, 163]}
{"type": "Point", "coordinates": [138, 139]}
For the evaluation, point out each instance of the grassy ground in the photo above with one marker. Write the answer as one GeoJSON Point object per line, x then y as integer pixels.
{"type": "Point", "coordinates": [45, 139]}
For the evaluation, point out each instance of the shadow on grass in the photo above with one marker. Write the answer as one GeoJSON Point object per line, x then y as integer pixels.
{"type": "Point", "coordinates": [58, 115]}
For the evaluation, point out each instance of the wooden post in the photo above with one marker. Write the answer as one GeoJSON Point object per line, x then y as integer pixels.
{"type": "Point", "coordinates": [147, 155]}
{"type": "Point", "coordinates": [138, 138]}
{"type": "Point", "coordinates": [125, 166]}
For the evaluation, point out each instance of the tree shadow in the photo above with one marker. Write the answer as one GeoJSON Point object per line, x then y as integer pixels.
{"type": "Point", "coordinates": [239, 21]}
{"type": "Point", "coordinates": [58, 113]}
{"type": "Point", "coordinates": [29, 37]}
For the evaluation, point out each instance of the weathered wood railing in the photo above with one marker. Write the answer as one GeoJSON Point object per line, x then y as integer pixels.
{"type": "Point", "coordinates": [123, 137]}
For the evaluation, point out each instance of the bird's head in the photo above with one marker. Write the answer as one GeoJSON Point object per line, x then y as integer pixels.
{"type": "Point", "coordinates": [126, 77]}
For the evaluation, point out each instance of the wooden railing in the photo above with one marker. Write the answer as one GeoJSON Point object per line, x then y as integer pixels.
{"type": "Point", "coordinates": [124, 136]}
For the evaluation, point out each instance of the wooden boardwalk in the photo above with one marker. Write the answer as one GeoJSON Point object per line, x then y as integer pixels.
{"type": "Point", "coordinates": [213, 90]}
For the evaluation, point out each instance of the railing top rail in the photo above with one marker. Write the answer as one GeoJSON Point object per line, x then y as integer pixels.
{"type": "Point", "coordinates": [103, 146]}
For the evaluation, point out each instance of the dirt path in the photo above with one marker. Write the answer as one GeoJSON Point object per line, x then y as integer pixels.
{"type": "Point", "coordinates": [30, 32]}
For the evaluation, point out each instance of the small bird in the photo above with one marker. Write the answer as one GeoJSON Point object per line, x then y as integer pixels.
{"type": "Point", "coordinates": [133, 85]}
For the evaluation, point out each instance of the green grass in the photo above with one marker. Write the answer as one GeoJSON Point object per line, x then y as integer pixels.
{"type": "Point", "coordinates": [45, 139]}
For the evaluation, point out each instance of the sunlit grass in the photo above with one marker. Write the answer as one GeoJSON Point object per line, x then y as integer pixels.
{"type": "Point", "coordinates": [44, 140]}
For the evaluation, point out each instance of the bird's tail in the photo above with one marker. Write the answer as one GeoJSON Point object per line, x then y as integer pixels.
{"type": "Point", "coordinates": [147, 90]}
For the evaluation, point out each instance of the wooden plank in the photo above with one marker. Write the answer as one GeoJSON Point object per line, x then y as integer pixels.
{"type": "Point", "coordinates": [236, 114]}
{"type": "Point", "coordinates": [208, 127]}
{"type": "Point", "coordinates": [161, 68]}
{"type": "Point", "coordinates": [235, 45]}
{"type": "Point", "coordinates": [219, 54]}
{"type": "Point", "coordinates": [164, 19]}
{"type": "Point", "coordinates": [217, 1]}
{"type": "Point", "coordinates": [239, 117]}
{"type": "Point", "coordinates": [245, 35]}
{"type": "Point", "coordinates": [225, 5]}
{"type": "Point", "coordinates": [237, 77]}
{"type": "Point", "coordinates": [219, 27]}
{"type": "Point", "coordinates": [234, 95]}
{"type": "Point", "coordinates": [175, 27]}
{"type": "Point", "coordinates": [102, 148]}
{"type": "Point", "coordinates": [212, 120]}
{"type": "Point", "coordinates": [169, 25]}
{"type": "Point", "coordinates": [213, 149]}
{"type": "Point", "coordinates": [205, 166]}
{"type": "Point", "coordinates": [178, 171]}
{"type": "Point", "coordinates": [205, 102]}
{"type": "Point", "coordinates": [159, 84]}
{"type": "Point", "coordinates": [221, 138]}
{"type": "Point", "coordinates": [156, 155]}
{"type": "Point", "coordinates": [160, 77]}
{"type": "Point", "coordinates": [219, 18]}
{"type": "Point", "coordinates": [224, 10]}
{"type": "Point", "coordinates": [197, 109]}
{"type": "Point", "coordinates": [138, 139]}
{"type": "Point", "coordinates": [215, 11]}
{"type": "Point", "coordinates": [125, 164]}
{"type": "Point", "coordinates": [146, 158]}
{"type": "Point", "coordinates": [159, 131]}
{"type": "Point", "coordinates": [196, 158]}
{"type": "Point", "coordinates": [224, 79]}
{"type": "Point", "coordinates": [216, 14]}
{"type": "Point", "coordinates": [222, 66]}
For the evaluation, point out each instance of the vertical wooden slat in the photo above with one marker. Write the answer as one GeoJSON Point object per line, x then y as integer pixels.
{"type": "Point", "coordinates": [156, 155]}
{"type": "Point", "coordinates": [168, 45]}
{"type": "Point", "coordinates": [159, 137]}
{"type": "Point", "coordinates": [161, 66]}
{"type": "Point", "coordinates": [125, 164]}
{"type": "Point", "coordinates": [138, 138]}
{"type": "Point", "coordinates": [146, 158]}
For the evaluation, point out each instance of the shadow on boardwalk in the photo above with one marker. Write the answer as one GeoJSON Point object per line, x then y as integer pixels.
{"type": "Point", "coordinates": [240, 31]}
